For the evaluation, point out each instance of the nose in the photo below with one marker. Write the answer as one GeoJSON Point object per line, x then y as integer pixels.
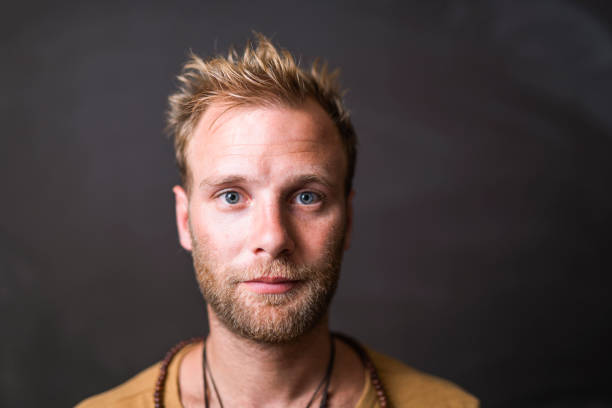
{"type": "Point", "coordinates": [271, 234]}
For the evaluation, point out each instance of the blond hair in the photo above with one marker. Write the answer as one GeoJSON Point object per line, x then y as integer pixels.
{"type": "Point", "coordinates": [261, 76]}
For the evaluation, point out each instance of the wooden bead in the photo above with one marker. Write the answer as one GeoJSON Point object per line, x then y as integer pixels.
{"type": "Point", "coordinates": [158, 395]}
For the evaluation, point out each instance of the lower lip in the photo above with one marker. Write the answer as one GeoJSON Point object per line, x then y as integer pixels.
{"type": "Point", "coordinates": [270, 287]}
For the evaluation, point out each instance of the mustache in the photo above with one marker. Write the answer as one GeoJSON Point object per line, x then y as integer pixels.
{"type": "Point", "coordinates": [277, 268]}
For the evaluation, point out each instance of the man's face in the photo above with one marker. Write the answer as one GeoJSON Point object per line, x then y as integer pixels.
{"type": "Point", "coordinates": [267, 218]}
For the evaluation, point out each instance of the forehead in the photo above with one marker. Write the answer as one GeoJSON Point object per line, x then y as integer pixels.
{"type": "Point", "coordinates": [262, 139]}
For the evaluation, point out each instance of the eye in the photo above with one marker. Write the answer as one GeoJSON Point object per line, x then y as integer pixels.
{"type": "Point", "coordinates": [308, 198]}
{"type": "Point", "coordinates": [231, 197]}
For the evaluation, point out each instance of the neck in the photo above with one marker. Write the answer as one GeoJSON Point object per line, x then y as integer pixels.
{"type": "Point", "coordinates": [251, 374]}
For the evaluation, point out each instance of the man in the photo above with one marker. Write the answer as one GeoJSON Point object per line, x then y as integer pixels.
{"type": "Point", "coordinates": [266, 153]}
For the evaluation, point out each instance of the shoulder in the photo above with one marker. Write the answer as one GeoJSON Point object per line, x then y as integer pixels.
{"type": "Point", "coordinates": [407, 386]}
{"type": "Point", "coordinates": [137, 392]}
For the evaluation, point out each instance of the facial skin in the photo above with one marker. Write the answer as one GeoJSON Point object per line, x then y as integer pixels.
{"type": "Point", "coordinates": [267, 217]}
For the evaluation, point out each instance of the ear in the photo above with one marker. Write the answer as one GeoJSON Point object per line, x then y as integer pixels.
{"type": "Point", "coordinates": [181, 202]}
{"type": "Point", "coordinates": [349, 220]}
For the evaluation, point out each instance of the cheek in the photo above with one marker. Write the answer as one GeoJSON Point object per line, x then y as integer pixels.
{"type": "Point", "coordinates": [221, 234]}
{"type": "Point", "coordinates": [316, 235]}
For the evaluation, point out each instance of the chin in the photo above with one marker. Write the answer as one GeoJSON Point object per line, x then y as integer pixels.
{"type": "Point", "coordinates": [272, 319]}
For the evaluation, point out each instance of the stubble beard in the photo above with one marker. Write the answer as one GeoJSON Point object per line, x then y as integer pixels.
{"type": "Point", "coordinates": [271, 318]}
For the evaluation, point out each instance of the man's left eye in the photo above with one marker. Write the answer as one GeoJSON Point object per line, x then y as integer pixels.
{"type": "Point", "coordinates": [308, 197]}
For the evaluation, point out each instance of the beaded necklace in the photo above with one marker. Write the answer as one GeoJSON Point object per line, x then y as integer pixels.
{"type": "Point", "coordinates": [383, 401]}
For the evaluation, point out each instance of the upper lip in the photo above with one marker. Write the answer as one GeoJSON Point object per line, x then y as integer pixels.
{"type": "Point", "coordinates": [271, 279]}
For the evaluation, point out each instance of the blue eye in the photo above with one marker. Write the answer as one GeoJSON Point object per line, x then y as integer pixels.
{"type": "Point", "coordinates": [231, 197]}
{"type": "Point", "coordinates": [308, 197]}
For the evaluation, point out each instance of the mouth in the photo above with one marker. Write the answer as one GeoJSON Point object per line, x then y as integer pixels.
{"type": "Point", "coordinates": [270, 285]}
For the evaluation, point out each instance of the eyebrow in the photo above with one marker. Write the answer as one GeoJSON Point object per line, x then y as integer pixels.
{"type": "Point", "coordinates": [302, 179]}
{"type": "Point", "coordinates": [310, 178]}
{"type": "Point", "coordinates": [223, 181]}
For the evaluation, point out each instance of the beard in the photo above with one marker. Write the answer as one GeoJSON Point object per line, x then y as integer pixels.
{"type": "Point", "coordinates": [270, 318]}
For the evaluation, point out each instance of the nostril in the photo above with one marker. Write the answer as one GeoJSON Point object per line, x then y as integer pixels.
{"type": "Point", "coordinates": [273, 242]}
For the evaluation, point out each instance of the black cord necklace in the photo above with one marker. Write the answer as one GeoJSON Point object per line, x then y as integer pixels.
{"type": "Point", "coordinates": [160, 384]}
{"type": "Point", "coordinates": [325, 381]}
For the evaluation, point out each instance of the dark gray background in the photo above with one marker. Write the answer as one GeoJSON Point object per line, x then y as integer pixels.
{"type": "Point", "coordinates": [483, 208]}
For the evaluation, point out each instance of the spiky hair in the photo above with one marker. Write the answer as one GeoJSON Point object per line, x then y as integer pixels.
{"type": "Point", "coordinates": [262, 76]}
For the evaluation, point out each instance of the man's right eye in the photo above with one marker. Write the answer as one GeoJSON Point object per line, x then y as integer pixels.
{"type": "Point", "coordinates": [231, 197]}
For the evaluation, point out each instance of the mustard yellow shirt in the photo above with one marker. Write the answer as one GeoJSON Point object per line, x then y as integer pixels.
{"type": "Point", "coordinates": [405, 387]}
